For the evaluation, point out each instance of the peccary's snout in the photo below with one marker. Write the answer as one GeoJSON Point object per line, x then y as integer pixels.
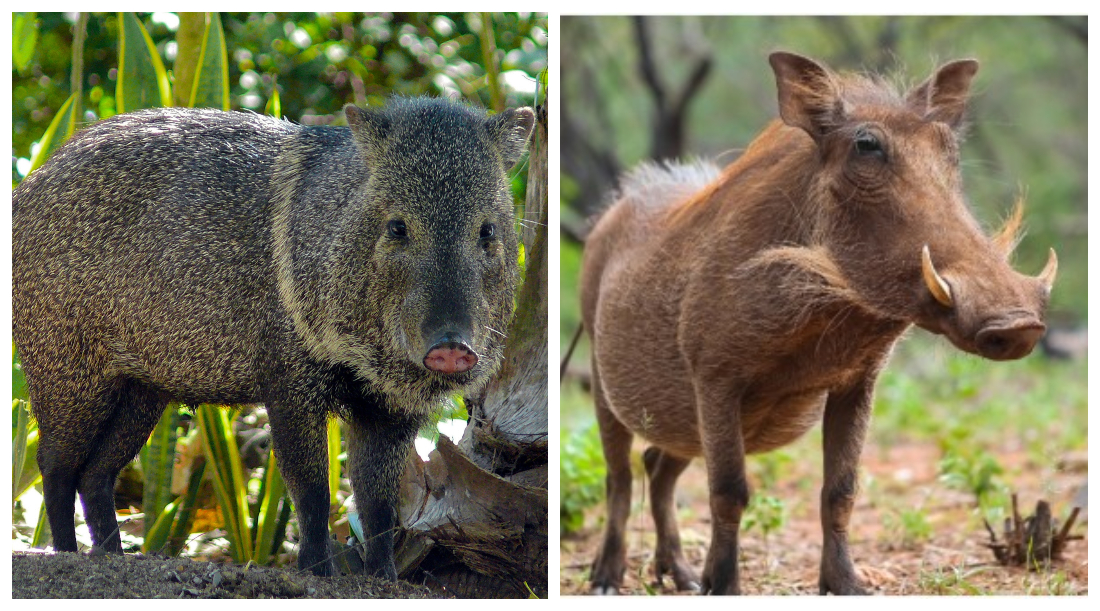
{"type": "Point", "coordinates": [450, 354]}
{"type": "Point", "coordinates": [1001, 341]}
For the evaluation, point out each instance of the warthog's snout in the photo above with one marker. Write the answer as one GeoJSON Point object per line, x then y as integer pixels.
{"type": "Point", "coordinates": [450, 354]}
{"type": "Point", "coordinates": [1004, 340]}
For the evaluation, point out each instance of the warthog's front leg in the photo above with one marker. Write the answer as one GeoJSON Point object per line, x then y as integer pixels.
{"type": "Point", "coordinates": [724, 450]}
{"type": "Point", "coordinates": [846, 417]}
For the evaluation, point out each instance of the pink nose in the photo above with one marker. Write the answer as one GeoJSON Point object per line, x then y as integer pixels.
{"type": "Point", "coordinates": [450, 357]}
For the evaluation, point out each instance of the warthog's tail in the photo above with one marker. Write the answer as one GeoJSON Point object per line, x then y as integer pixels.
{"type": "Point", "coordinates": [569, 351]}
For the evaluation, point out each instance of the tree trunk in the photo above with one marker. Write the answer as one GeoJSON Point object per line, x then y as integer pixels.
{"type": "Point", "coordinates": [475, 515]}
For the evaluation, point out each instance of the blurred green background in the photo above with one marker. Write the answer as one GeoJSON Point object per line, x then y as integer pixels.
{"type": "Point", "coordinates": [318, 61]}
{"type": "Point", "coordinates": [634, 89]}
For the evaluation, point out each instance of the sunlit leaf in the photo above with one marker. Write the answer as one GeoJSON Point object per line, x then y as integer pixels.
{"type": "Point", "coordinates": [211, 85]}
{"type": "Point", "coordinates": [24, 38]}
{"type": "Point", "coordinates": [60, 129]}
{"type": "Point", "coordinates": [142, 79]}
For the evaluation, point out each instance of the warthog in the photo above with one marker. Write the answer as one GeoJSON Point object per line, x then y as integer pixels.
{"type": "Point", "coordinates": [732, 310]}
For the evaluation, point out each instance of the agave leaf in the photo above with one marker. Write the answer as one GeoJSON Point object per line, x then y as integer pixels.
{"type": "Point", "coordinates": [211, 85]}
{"type": "Point", "coordinates": [142, 79]}
{"type": "Point", "coordinates": [56, 134]}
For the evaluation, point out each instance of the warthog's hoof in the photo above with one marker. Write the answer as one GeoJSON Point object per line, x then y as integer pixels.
{"type": "Point", "coordinates": [682, 575]}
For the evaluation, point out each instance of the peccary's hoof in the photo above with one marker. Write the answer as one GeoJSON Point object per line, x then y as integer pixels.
{"type": "Point", "coordinates": [450, 357]}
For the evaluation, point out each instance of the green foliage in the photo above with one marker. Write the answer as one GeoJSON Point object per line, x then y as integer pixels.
{"type": "Point", "coordinates": [258, 541]}
{"type": "Point", "coordinates": [24, 447]}
{"type": "Point", "coordinates": [771, 467]}
{"type": "Point", "coordinates": [768, 513]}
{"type": "Point", "coordinates": [976, 472]}
{"type": "Point", "coordinates": [211, 86]}
{"type": "Point", "coordinates": [62, 126]}
{"type": "Point", "coordinates": [909, 527]}
{"type": "Point", "coordinates": [169, 530]}
{"type": "Point", "coordinates": [952, 581]}
{"type": "Point", "coordinates": [24, 37]}
{"type": "Point", "coordinates": [333, 468]}
{"type": "Point", "coordinates": [142, 79]}
{"type": "Point", "coordinates": [582, 477]}
{"type": "Point", "coordinates": [41, 528]}
{"type": "Point", "coordinates": [157, 459]}
{"type": "Point", "coordinates": [220, 446]}
{"type": "Point", "coordinates": [266, 534]}
{"type": "Point", "coordinates": [18, 380]}
{"type": "Point", "coordinates": [315, 62]}
{"type": "Point", "coordinates": [932, 392]}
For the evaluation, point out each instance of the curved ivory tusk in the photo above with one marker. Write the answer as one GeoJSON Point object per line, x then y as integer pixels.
{"type": "Point", "coordinates": [1046, 277]}
{"type": "Point", "coordinates": [936, 284]}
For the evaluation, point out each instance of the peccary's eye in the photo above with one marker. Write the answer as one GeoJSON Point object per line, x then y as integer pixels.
{"type": "Point", "coordinates": [488, 230]}
{"type": "Point", "coordinates": [397, 229]}
{"type": "Point", "coordinates": [868, 145]}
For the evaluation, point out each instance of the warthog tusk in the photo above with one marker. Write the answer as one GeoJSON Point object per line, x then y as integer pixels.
{"type": "Point", "coordinates": [936, 284]}
{"type": "Point", "coordinates": [1050, 271]}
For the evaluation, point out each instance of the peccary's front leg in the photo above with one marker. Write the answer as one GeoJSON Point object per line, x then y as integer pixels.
{"type": "Point", "coordinates": [378, 447]}
{"type": "Point", "coordinates": [846, 417]}
{"type": "Point", "coordinates": [723, 446]}
{"type": "Point", "coordinates": [300, 436]}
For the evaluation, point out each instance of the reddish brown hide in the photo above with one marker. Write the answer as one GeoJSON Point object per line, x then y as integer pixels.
{"type": "Point", "coordinates": [730, 311]}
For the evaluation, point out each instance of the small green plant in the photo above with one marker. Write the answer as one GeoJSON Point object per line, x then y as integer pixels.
{"type": "Point", "coordinates": [909, 527]}
{"type": "Point", "coordinates": [974, 471]}
{"type": "Point", "coordinates": [952, 581]}
{"type": "Point", "coordinates": [769, 468]}
{"type": "Point", "coordinates": [768, 513]}
{"type": "Point", "coordinates": [582, 477]}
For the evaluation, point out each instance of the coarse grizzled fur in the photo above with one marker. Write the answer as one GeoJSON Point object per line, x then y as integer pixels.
{"type": "Point", "coordinates": [225, 257]}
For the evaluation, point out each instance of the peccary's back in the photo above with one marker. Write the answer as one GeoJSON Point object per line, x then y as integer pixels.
{"type": "Point", "coordinates": [144, 245]}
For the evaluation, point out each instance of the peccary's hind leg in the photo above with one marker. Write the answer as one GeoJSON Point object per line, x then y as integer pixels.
{"type": "Point", "coordinates": [378, 449]}
{"type": "Point", "coordinates": [663, 470]}
{"type": "Point", "coordinates": [70, 412]}
{"type": "Point", "coordinates": [300, 435]}
{"type": "Point", "coordinates": [610, 563]}
{"type": "Point", "coordinates": [846, 416]}
{"type": "Point", "coordinates": [59, 476]}
{"type": "Point", "coordinates": [135, 410]}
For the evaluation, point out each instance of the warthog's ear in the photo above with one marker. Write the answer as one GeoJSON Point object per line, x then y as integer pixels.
{"type": "Point", "coordinates": [808, 94]}
{"type": "Point", "coordinates": [368, 129]}
{"type": "Point", "coordinates": [943, 96]}
{"type": "Point", "coordinates": [509, 132]}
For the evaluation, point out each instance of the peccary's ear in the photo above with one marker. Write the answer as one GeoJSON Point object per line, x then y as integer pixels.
{"type": "Point", "coordinates": [808, 95]}
{"type": "Point", "coordinates": [509, 131]}
{"type": "Point", "coordinates": [943, 96]}
{"type": "Point", "coordinates": [368, 129]}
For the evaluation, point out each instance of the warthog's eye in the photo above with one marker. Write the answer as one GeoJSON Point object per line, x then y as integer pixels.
{"type": "Point", "coordinates": [397, 229]}
{"type": "Point", "coordinates": [868, 145]}
{"type": "Point", "coordinates": [488, 230]}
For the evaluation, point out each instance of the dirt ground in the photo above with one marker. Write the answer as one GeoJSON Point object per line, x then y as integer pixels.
{"type": "Point", "coordinates": [69, 575]}
{"type": "Point", "coordinates": [950, 559]}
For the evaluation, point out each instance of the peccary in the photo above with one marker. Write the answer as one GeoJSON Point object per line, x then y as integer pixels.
{"type": "Point", "coordinates": [731, 311]}
{"type": "Point", "coordinates": [226, 257]}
